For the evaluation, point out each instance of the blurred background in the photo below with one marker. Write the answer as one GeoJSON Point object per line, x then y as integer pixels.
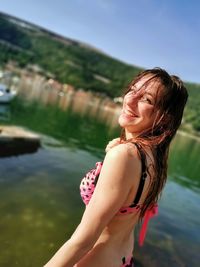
{"type": "Point", "coordinates": [63, 68]}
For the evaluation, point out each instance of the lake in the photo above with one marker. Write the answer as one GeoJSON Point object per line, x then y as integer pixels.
{"type": "Point", "coordinates": [40, 205]}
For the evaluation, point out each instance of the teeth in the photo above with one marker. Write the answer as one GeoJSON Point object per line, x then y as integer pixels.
{"type": "Point", "coordinates": [129, 113]}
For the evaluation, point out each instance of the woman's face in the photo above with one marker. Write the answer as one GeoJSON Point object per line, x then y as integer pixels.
{"type": "Point", "coordinates": [139, 112]}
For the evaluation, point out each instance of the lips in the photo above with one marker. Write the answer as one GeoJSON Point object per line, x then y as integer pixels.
{"type": "Point", "coordinates": [129, 113]}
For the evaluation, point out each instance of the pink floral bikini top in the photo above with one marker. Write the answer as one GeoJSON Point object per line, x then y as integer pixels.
{"type": "Point", "coordinates": [89, 182]}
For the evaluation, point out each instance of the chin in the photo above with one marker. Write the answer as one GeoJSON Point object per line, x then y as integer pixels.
{"type": "Point", "coordinates": [121, 122]}
{"type": "Point", "coordinates": [125, 122]}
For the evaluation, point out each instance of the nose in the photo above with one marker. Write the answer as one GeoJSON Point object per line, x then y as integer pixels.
{"type": "Point", "coordinates": [132, 99]}
{"type": "Point", "coordinates": [131, 104]}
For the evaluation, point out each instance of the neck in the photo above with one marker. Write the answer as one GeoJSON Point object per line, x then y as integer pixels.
{"type": "Point", "coordinates": [129, 135]}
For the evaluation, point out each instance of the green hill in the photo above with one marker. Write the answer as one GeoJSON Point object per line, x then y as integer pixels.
{"type": "Point", "coordinates": [70, 61]}
{"type": "Point", "coordinates": [76, 63]}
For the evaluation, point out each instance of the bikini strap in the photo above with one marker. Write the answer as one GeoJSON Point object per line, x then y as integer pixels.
{"type": "Point", "coordinates": [143, 175]}
{"type": "Point", "coordinates": [151, 212]}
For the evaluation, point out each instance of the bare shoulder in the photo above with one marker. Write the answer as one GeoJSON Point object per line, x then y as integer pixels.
{"type": "Point", "coordinates": [124, 154]}
{"type": "Point", "coordinates": [125, 149]}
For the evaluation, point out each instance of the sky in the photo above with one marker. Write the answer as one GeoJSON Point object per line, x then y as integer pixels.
{"type": "Point", "coordinates": [145, 33]}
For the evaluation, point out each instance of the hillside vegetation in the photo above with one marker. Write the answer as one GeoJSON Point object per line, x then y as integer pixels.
{"type": "Point", "coordinates": [76, 63]}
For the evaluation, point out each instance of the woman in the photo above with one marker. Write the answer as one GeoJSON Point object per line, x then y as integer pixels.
{"type": "Point", "coordinates": [129, 181]}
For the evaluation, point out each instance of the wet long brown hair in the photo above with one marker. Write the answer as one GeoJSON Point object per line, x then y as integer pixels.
{"type": "Point", "coordinates": [170, 102]}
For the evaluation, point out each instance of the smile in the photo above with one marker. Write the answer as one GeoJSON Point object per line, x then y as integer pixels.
{"type": "Point", "coordinates": [129, 113]}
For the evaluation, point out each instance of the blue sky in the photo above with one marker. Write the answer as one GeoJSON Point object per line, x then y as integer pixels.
{"type": "Point", "coordinates": [146, 33]}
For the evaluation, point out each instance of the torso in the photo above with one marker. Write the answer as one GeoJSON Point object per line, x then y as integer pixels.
{"type": "Point", "coordinates": [117, 239]}
{"type": "Point", "coordinates": [113, 244]}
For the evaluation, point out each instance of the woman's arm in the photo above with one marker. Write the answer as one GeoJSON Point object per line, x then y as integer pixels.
{"type": "Point", "coordinates": [110, 193]}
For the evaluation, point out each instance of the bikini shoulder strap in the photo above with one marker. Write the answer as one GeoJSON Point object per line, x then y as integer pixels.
{"type": "Point", "coordinates": [143, 175]}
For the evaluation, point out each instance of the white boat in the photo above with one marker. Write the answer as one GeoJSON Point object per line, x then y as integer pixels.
{"type": "Point", "coordinates": [6, 95]}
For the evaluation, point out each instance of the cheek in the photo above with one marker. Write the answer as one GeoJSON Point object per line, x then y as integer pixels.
{"type": "Point", "coordinates": [151, 111]}
{"type": "Point", "coordinates": [146, 109]}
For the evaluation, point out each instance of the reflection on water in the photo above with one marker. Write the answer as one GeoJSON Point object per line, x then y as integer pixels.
{"type": "Point", "coordinates": [40, 204]}
{"type": "Point", "coordinates": [185, 161]}
{"type": "Point", "coordinates": [78, 129]}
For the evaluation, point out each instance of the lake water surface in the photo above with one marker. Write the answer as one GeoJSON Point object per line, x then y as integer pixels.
{"type": "Point", "coordinates": [40, 205]}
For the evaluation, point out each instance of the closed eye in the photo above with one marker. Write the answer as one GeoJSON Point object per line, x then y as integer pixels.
{"type": "Point", "coordinates": [146, 99]}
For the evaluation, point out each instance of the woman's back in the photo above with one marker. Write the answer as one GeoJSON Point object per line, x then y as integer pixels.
{"type": "Point", "coordinates": [116, 240]}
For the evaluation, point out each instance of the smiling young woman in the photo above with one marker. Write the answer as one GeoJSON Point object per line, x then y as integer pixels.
{"type": "Point", "coordinates": [126, 186]}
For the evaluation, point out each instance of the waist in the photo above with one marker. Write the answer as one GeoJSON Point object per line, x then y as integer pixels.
{"type": "Point", "coordinates": [110, 248]}
{"type": "Point", "coordinates": [115, 240]}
